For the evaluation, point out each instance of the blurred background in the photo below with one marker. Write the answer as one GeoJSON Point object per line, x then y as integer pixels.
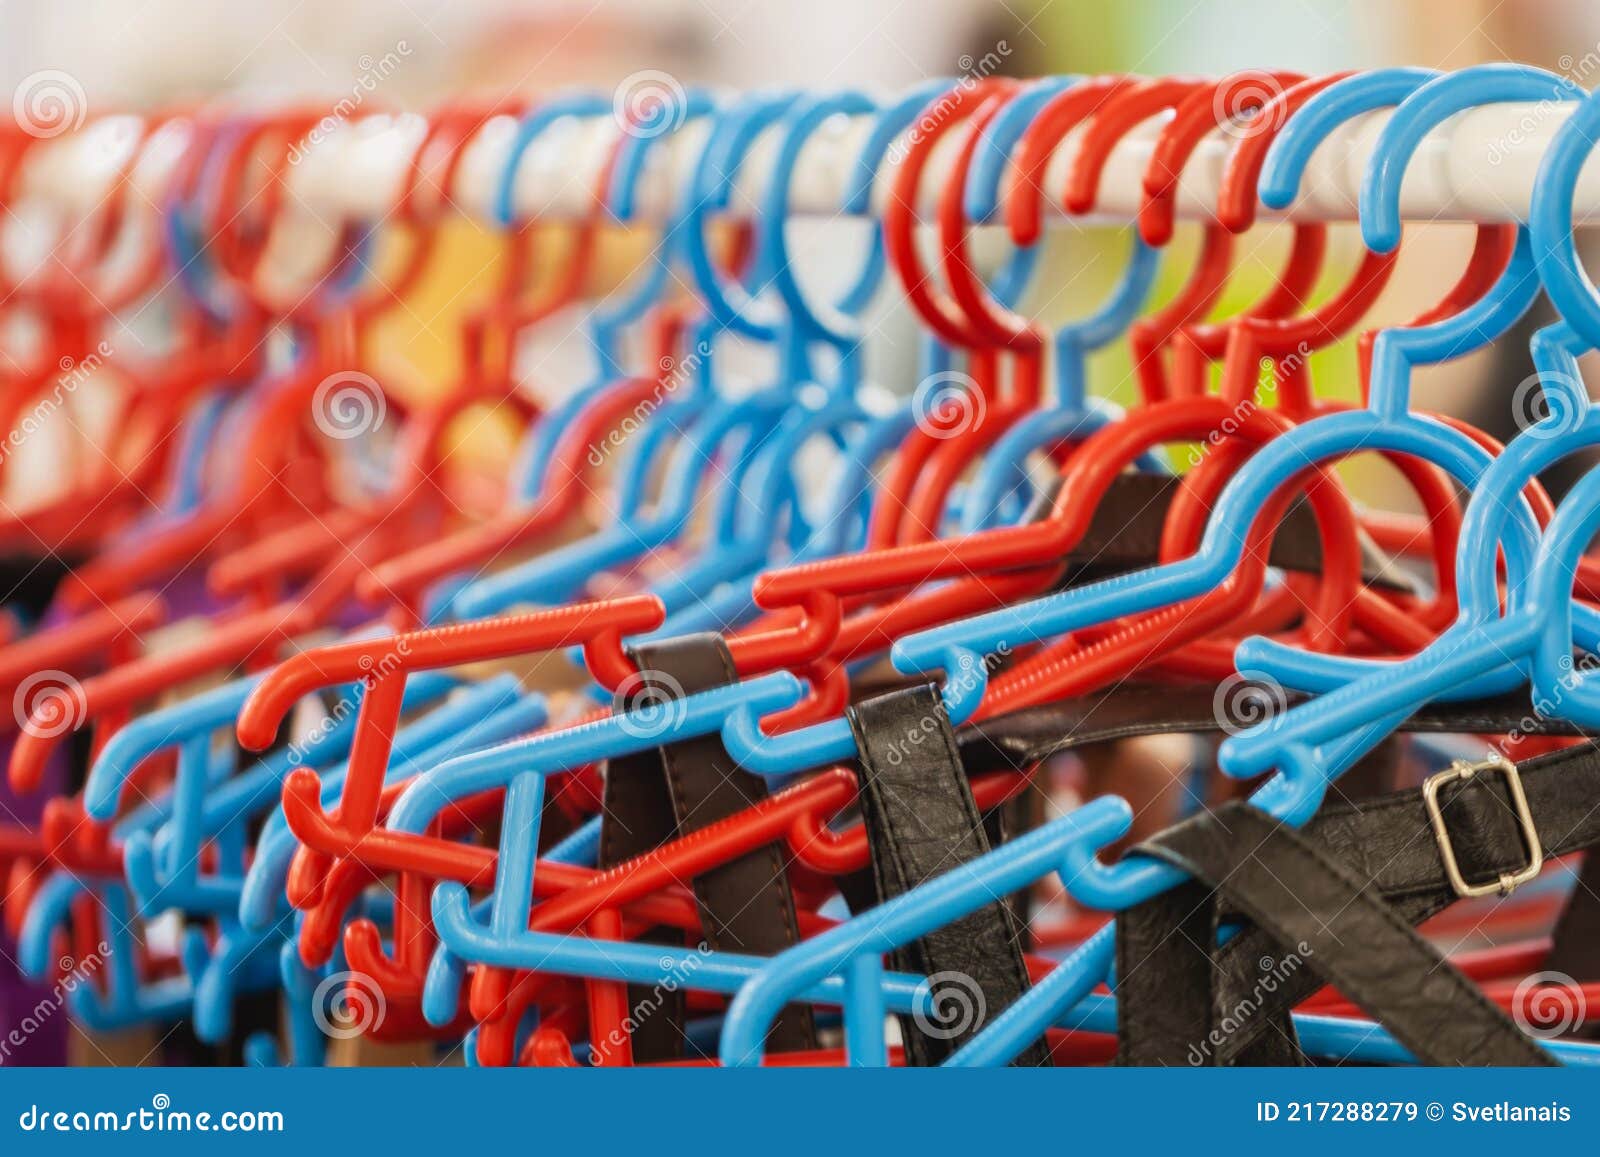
{"type": "Point", "coordinates": [410, 54]}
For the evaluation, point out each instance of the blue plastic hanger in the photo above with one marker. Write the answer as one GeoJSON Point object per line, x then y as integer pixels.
{"type": "Point", "coordinates": [1294, 794]}
{"type": "Point", "coordinates": [842, 520]}
{"type": "Point", "coordinates": [162, 862]}
{"type": "Point", "coordinates": [843, 966]}
{"type": "Point", "coordinates": [765, 502]}
{"type": "Point", "coordinates": [605, 326]}
{"type": "Point", "coordinates": [430, 739]}
{"type": "Point", "coordinates": [959, 649]}
{"type": "Point", "coordinates": [1534, 640]}
{"type": "Point", "coordinates": [708, 424]}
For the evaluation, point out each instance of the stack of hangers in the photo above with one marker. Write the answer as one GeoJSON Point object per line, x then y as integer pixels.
{"type": "Point", "coordinates": [336, 780]}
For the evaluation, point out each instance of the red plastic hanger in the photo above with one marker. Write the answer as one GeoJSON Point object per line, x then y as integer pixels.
{"type": "Point", "coordinates": [872, 632]}
{"type": "Point", "coordinates": [279, 464]}
{"type": "Point", "coordinates": [76, 298]}
{"type": "Point", "coordinates": [416, 505]}
{"type": "Point", "coordinates": [970, 107]}
{"type": "Point", "coordinates": [1070, 666]}
{"type": "Point", "coordinates": [1192, 354]}
{"type": "Point", "coordinates": [242, 637]}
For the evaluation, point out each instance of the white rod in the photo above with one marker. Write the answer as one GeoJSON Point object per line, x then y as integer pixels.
{"type": "Point", "coordinates": [1478, 166]}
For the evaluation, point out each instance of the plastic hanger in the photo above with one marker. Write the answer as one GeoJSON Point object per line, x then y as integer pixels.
{"type": "Point", "coordinates": [759, 512]}
{"type": "Point", "coordinates": [1294, 796]}
{"type": "Point", "coordinates": [841, 520]}
{"type": "Point", "coordinates": [408, 509]}
{"type": "Point", "coordinates": [798, 589]}
{"type": "Point", "coordinates": [712, 428]}
{"type": "Point", "coordinates": [271, 428]}
{"type": "Point", "coordinates": [77, 292]}
{"type": "Point", "coordinates": [564, 451]}
{"type": "Point", "coordinates": [1127, 105]}
{"type": "Point", "coordinates": [850, 958]}
{"type": "Point", "coordinates": [1487, 650]}
{"type": "Point", "coordinates": [913, 496]}
{"type": "Point", "coordinates": [819, 745]}
{"type": "Point", "coordinates": [1051, 672]}
{"type": "Point", "coordinates": [1386, 425]}
{"type": "Point", "coordinates": [1072, 414]}
{"type": "Point", "coordinates": [402, 818]}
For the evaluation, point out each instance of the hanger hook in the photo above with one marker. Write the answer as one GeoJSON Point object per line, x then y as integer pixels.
{"type": "Point", "coordinates": [1217, 107]}
{"type": "Point", "coordinates": [1320, 116]}
{"type": "Point", "coordinates": [1439, 100]}
{"type": "Point", "coordinates": [986, 154]}
{"type": "Point", "coordinates": [832, 323]}
{"type": "Point", "coordinates": [710, 190]}
{"type": "Point", "coordinates": [1555, 246]}
{"type": "Point", "coordinates": [529, 129]}
{"type": "Point", "coordinates": [634, 151]}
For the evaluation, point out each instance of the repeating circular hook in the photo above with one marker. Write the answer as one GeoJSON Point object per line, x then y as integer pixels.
{"type": "Point", "coordinates": [1443, 98]}
{"type": "Point", "coordinates": [711, 184]}
{"type": "Point", "coordinates": [832, 323]}
{"type": "Point", "coordinates": [1555, 244]}
{"type": "Point", "coordinates": [581, 105]}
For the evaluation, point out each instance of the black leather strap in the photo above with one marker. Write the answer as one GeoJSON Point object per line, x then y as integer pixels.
{"type": "Point", "coordinates": [1331, 920]}
{"type": "Point", "coordinates": [636, 817]}
{"type": "Point", "coordinates": [1388, 849]}
{"type": "Point", "coordinates": [1575, 943]}
{"type": "Point", "coordinates": [1247, 974]}
{"type": "Point", "coordinates": [746, 905]}
{"type": "Point", "coordinates": [922, 821]}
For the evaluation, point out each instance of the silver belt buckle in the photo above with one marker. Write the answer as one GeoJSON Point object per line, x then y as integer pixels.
{"type": "Point", "coordinates": [1508, 881]}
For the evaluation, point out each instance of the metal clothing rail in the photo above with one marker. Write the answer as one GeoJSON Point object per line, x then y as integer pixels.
{"type": "Point", "coordinates": [1479, 166]}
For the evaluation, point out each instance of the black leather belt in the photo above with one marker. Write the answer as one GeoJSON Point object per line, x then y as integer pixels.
{"type": "Point", "coordinates": [746, 905]}
{"type": "Point", "coordinates": [1343, 895]}
{"type": "Point", "coordinates": [1335, 902]}
{"type": "Point", "coordinates": [921, 821]}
